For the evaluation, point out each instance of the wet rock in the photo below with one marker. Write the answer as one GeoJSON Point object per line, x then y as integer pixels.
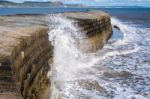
{"type": "Point", "coordinates": [116, 27]}
{"type": "Point", "coordinates": [122, 74]}
{"type": "Point", "coordinates": [91, 85]}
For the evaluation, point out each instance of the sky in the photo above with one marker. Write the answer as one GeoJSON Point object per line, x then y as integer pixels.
{"type": "Point", "coordinates": [101, 2]}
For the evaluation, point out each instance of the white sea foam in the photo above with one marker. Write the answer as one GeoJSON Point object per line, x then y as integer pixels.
{"type": "Point", "coordinates": [68, 59]}
{"type": "Point", "coordinates": [78, 75]}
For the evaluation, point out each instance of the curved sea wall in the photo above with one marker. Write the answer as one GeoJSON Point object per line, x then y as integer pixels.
{"type": "Point", "coordinates": [26, 52]}
{"type": "Point", "coordinates": [96, 26]}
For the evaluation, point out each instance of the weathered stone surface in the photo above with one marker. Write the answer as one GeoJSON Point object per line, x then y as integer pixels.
{"type": "Point", "coordinates": [96, 25]}
{"type": "Point", "coordinates": [25, 51]}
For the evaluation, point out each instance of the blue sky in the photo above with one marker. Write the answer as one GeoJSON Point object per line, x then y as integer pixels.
{"type": "Point", "coordinates": [101, 2]}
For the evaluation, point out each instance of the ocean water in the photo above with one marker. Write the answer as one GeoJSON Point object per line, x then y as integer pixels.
{"type": "Point", "coordinates": [12, 11]}
{"type": "Point", "coordinates": [134, 15]}
{"type": "Point", "coordinates": [121, 70]}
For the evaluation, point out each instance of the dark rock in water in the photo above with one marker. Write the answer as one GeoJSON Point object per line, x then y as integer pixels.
{"type": "Point", "coordinates": [116, 27]}
{"type": "Point", "coordinates": [91, 85]}
{"type": "Point", "coordinates": [122, 74]}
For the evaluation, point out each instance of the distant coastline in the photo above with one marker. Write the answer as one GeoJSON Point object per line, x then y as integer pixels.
{"type": "Point", "coordinates": [55, 4]}
{"type": "Point", "coordinates": [33, 4]}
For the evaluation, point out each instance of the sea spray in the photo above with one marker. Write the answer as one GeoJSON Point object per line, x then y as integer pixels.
{"type": "Point", "coordinates": [123, 60]}
{"type": "Point", "coordinates": [129, 36]}
{"type": "Point", "coordinates": [66, 38]}
{"type": "Point", "coordinates": [115, 72]}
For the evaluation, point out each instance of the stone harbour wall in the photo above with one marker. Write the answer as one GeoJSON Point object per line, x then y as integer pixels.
{"type": "Point", "coordinates": [25, 72]}
{"type": "Point", "coordinates": [29, 61]}
{"type": "Point", "coordinates": [26, 53]}
{"type": "Point", "coordinates": [98, 31]}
